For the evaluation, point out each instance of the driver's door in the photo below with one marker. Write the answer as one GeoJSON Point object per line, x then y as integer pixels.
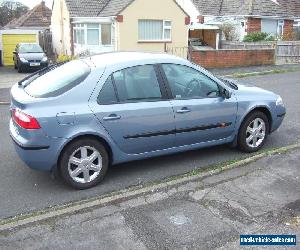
{"type": "Point", "coordinates": [201, 113]}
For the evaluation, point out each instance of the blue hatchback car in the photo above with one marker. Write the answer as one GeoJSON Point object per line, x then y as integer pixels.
{"type": "Point", "coordinates": [84, 115]}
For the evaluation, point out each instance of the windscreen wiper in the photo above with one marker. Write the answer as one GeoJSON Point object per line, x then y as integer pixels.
{"type": "Point", "coordinates": [39, 73]}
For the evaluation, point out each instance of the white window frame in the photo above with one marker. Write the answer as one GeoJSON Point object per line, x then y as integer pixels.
{"type": "Point", "coordinates": [280, 23]}
{"type": "Point", "coordinates": [165, 27]}
{"type": "Point", "coordinates": [83, 26]}
{"type": "Point", "coordinates": [79, 26]}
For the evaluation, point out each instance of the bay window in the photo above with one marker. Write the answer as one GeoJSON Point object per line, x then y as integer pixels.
{"type": "Point", "coordinates": [92, 34]}
{"type": "Point", "coordinates": [154, 30]}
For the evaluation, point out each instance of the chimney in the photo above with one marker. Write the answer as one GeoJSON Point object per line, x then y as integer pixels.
{"type": "Point", "coordinates": [200, 19]}
{"type": "Point", "coordinates": [43, 8]}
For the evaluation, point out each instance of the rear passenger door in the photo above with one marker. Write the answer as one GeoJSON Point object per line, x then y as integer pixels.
{"type": "Point", "coordinates": [133, 107]}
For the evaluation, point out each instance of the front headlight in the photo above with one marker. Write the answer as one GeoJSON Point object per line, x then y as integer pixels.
{"type": "Point", "coordinates": [23, 60]}
{"type": "Point", "coordinates": [279, 101]}
{"type": "Point", "coordinates": [44, 59]}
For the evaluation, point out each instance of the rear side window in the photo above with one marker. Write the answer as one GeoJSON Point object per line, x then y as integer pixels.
{"type": "Point", "coordinates": [59, 80]}
{"type": "Point", "coordinates": [107, 94]}
{"type": "Point", "coordinates": [137, 83]}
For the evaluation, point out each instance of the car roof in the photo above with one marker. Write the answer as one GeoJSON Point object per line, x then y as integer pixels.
{"type": "Point", "coordinates": [113, 58]}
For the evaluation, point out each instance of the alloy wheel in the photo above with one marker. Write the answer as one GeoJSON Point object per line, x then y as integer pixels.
{"type": "Point", "coordinates": [85, 164]}
{"type": "Point", "coordinates": [256, 133]}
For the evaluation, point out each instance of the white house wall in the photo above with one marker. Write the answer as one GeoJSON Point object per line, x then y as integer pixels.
{"type": "Point", "coordinates": [60, 27]}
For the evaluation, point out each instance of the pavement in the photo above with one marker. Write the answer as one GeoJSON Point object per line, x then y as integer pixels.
{"type": "Point", "coordinates": [201, 211]}
{"type": "Point", "coordinates": [25, 190]}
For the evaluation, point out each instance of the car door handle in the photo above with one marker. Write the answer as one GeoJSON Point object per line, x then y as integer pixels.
{"type": "Point", "coordinates": [112, 117]}
{"type": "Point", "coordinates": [183, 110]}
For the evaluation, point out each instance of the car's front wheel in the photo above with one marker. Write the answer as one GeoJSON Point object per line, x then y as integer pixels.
{"type": "Point", "coordinates": [253, 132]}
{"type": "Point", "coordinates": [84, 163]}
{"type": "Point", "coordinates": [20, 68]}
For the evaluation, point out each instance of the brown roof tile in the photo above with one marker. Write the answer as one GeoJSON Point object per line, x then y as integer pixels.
{"type": "Point", "coordinates": [39, 16]}
{"type": "Point", "coordinates": [280, 8]}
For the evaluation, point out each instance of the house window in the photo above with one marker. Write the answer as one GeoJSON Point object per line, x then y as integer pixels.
{"type": "Point", "coordinates": [79, 37]}
{"type": "Point", "coordinates": [92, 34]}
{"type": "Point", "coordinates": [154, 30]}
{"type": "Point", "coordinates": [106, 34]}
{"type": "Point", "coordinates": [280, 27]}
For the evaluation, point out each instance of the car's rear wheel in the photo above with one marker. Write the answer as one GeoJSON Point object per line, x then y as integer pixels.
{"type": "Point", "coordinates": [253, 132]}
{"type": "Point", "coordinates": [84, 163]}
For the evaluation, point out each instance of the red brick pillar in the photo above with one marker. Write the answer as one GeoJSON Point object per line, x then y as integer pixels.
{"type": "Point", "coordinates": [288, 29]}
{"type": "Point", "coordinates": [253, 25]}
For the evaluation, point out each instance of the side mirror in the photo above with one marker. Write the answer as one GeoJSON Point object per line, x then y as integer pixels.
{"type": "Point", "coordinates": [226, 93]}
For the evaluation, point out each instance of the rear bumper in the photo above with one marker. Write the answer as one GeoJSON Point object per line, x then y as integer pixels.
{"type": "Point", "coordinates": [40, 157]}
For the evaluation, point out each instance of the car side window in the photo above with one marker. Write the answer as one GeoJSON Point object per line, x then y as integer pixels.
{"type": "Point", "coordinates": [186, 82]}
{"type": "Point", "coordinates": [137, 83]}
{"type": "Point", "coordinates": [107, 94]}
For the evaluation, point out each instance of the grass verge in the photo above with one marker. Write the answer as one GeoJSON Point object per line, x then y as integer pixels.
{"type": "Point", "coordinates": [268, 72]}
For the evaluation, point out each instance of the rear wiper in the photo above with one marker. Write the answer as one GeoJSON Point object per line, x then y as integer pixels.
{"type": "Point", "coordinates": [38, 74]}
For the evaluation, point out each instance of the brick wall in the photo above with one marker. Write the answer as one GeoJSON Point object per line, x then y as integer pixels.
{"type": "Point", "coordinates": [233, 58]}
{"type": "Point", "coordinates": [288, 30]}
{"type": "Point", "coordinates": [253, 25]}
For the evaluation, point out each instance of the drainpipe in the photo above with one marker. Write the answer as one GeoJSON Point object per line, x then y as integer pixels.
{"type": "Point", "coordinates": [62, 27]}
{"type": "Point", "coordinates": [72, 37]}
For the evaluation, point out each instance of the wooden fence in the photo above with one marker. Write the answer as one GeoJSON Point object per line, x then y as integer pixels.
{"type": "Point", "coordinates": [45, 41]}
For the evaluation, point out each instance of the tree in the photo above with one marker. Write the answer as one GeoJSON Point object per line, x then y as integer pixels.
{"type": "Point", "coordinates": [229, 31]}
{"type": "Point", "coordinates": [10, 9]}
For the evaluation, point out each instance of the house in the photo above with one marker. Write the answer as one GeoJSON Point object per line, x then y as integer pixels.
{"type": "Point", "coordinates": [95, 26]}
{"type": "Point", "coordinates": [275, 17]}
{"type": "Point", "coordinates": [23, 29]}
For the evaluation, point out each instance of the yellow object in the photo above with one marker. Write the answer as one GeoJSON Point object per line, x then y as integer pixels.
{"type": "Point", "coordinates": [9, 42]}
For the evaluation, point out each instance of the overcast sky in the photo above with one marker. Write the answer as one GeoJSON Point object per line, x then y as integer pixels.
{"type": "Point", "coordinates": [32, 3]}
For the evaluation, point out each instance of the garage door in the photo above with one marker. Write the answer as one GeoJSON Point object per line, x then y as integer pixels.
{"type": "Point", "coordinates": [9, 42]}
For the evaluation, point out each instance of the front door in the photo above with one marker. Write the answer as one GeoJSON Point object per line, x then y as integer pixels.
{"type": "Point", "coordinates": [133, 109]}
{"type": "Point", "coordinates": [201, 113]}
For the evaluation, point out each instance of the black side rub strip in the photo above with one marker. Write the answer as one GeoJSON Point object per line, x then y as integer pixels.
{"type": "Point", "coordinates": [178, 131]}
{"type": "Point", "coordinates": [281, 115]}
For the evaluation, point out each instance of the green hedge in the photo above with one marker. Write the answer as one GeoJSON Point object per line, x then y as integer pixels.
{"type": "Point", "coordinates": [258, 36]}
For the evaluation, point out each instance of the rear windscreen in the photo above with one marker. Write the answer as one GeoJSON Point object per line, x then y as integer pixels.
{"type": "Point", "coordinates": [58, 80]}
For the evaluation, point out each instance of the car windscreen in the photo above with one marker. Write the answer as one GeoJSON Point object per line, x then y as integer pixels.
{"type": "Point", "coordinates": [59, 80]}
{"type": "Point", "coordinates": [30, 48]}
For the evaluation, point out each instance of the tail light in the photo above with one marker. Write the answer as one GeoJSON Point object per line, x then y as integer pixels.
{"type": "Point", "coordinates": [24, 120]}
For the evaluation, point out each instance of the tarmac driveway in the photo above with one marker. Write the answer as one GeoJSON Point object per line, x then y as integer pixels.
{"type": "Point", "coordinates": [9, 76]}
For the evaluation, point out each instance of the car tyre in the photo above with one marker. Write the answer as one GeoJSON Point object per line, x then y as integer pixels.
{"type": "Point", "coordinates": [253, 132]}
{"type": "Point", "coordinates": [84, 163]}
{"type": "Point", "coordinates": [20, 69]}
